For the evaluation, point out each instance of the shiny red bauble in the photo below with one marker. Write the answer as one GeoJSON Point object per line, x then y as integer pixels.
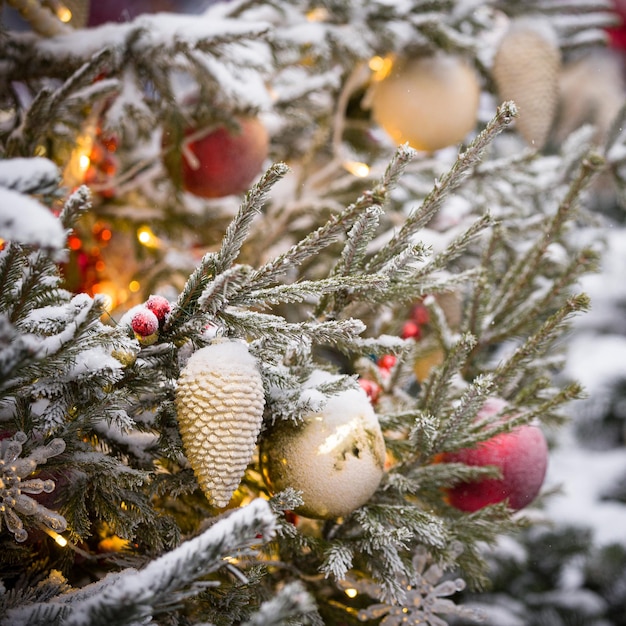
{"type": "Point", "coordinates": [224, 161]}
{"type": "Point", "coordinates": [522, 457]}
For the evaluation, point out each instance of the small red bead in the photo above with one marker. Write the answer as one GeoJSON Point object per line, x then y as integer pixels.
{"type": "Point", "coordinates": [411, 330]}
{"type": "Point", "coordinates": [387, 361]}
{"type": "Point", "coordinates": [371, 388]}
{"type": "Point", "coordinates": [420, 314]}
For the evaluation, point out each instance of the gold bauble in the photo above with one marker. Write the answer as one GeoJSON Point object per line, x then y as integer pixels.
{"type": "Point", "coordinates": [336, 457]}
{"type": "Point", "coordinates": [431, 102]}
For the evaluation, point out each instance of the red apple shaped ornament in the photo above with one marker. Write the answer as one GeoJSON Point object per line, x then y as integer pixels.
{"type": "Point", "coordinates": [522, 458]}
{"type": "Point", "coordinates": [224, 161]}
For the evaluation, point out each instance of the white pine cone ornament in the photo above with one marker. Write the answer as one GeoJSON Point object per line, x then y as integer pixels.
{"type": "Point", "coordinates": [219, 402]}
{"type": "Point", "coordinates": [526, 69]}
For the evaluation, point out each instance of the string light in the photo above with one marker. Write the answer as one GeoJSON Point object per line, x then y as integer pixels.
{"type": "Point", "coordinates": [381, 66]}
{"type": "Point", "coordinates": [351, 592]}
{"type": "Point", "coordinates": [64, 14]}
{"type": "Point", "coordinates": [134, 286]}
{"type": "Point", "coordinates": [60, 539]}
{"type": "Point", "coordinates": [358, 169]}
{"type": "Point", "coordinates": [147, 238]}
{"type": "Point", "coordinates": [319, 14]}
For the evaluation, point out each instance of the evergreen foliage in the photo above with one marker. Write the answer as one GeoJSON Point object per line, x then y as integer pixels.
{"type": "Point", "coordinates": [316, 269]}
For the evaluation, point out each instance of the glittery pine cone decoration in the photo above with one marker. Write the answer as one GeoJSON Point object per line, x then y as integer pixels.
{"type": "Point", "coordinates": [526, 69]}
{"type": "Point", "coordinates": [220, 401]}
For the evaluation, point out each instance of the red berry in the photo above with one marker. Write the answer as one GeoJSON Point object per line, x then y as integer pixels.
{"type": "Point", "coordinates": [522, 457]}
{"type": "Point", "coordinates": [371, 388]}
{"type": "Point", "coordinates": [411, 330]}
{"type": "Point", "coordinates": [160, 306]}
{"type": "Point", "coordinates": [144, 322]}
{"type": "Point", "coordinates": [420, 315]}
{"type": "Point", "coordinates": [387, 361]}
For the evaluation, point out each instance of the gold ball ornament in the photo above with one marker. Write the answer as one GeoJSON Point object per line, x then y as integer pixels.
{"type": "Point", "coordinates": [336, 457]}
{"type": "Point", "coordinates": [219, 402]}
{"type": "Point", "coordinates": [526, 69]}
{"type": "Point", "coordinates": [431, 102]}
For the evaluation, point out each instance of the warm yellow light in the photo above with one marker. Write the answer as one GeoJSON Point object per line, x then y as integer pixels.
{"type": "Point", "coordinates": [147, 237]}
{"type": "Point", "coordinates": [358, 169]}
{"type": "Point", "coordinates": [84, 162]}
{"type": "Point", "coordinates": [381, 66]}
{"type": "Point", "coordinates": [40, 150]}
{"type": "Point", "coordinates": [60, 539]}
{"type": "Point", "coordinates": [109, 292]}
{"type": "Point", "coordinates": [134, 286]}
{"type": "Point", "coordinates": [351, 593]}
{"type": "Point", "coordinates": [64, 14]}
{"type": "Point", "coordinates": [317, 15]}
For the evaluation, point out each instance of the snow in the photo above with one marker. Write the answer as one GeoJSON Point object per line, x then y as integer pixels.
{"type": "Point", "coordinates": [25, 220]}
{"type": "Point", "coordinates": [596, 357]}
{"type": "Point", "coordinates": [29, 175]}
{"type": "Point", "coordinates": [158, 30]}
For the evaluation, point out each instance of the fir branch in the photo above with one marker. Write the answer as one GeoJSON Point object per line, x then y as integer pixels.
{"type": "Point", "coordinates": [537, 344]}
{"type": "Point", "coordinates": [454, 249]}
{"type": "Point", "coordinates": [78, 203]}
{"type": "Point", "coordinates": [282, 333]}
{"type": "Point", "coordinates": [337, 561]}
{"type": "Point", "coordinates": [187, 302]}
{"type": "Point", "coordinates": [461, 169]}
{"type": "Point", "coordinates": [518, 280]}
{"type": "Point", "coordinates": [438, 383]}
{"type": "Point", "coordinates": [337, 225]}
{"type": "Point", "coordinates": [239, 228]}
{"type": "Point", "coordinates": [218, 293]}
{"type": "Point", "coordinates": [297, 292]}
{"type": "Point", "coordinates": [470, 403]}
{"type": "Point", "coordinates": [291, 602]}
{"type": "Point", "coordinates": [137, 595]}
{"type": "Point", "coordinates": [585, 261]}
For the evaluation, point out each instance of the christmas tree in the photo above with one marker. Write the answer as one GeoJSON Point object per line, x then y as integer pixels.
{"type": "Point", "coordinates": [285, 290]}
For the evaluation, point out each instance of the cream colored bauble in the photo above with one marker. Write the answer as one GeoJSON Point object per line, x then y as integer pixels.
{"type": "Point", "coordinates": [526, 69]}
{"type": "Point", "coordinates": [335, 457]}
{"type": "Point", "coordinates": [219, 403]}
{"type": "Point", "coordinates": [431, 102]}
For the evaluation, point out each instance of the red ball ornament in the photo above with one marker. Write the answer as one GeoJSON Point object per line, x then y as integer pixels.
{"type": "Point", "coordinates": [160, 306]}
{"type": "Point", "coordinates": [522, 457]}
{"type": "Point", "coordinates": [224, 162]}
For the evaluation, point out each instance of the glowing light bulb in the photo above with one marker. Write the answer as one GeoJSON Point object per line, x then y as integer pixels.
{"type": "Point", "coordinates": [351, 593]}
{"type": "Point", "coordinates": [147, 238]}
{"type": "Point", "coordinates": [60, 539]}
{"type": "Point", "coordinates": [64, 14]}
{"type": "Point", "coordinates": [318, 14]}
{"type": "Point", "coordinates": [134, 286]}
{"type": "Point", "coordinates": [381, 66]}
{"type": "Point", "coordinates": [358, 169]}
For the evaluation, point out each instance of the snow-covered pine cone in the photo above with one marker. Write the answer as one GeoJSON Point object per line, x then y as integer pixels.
{"type": "Point", "coordinates": [526, 69]}
{"type": "Point", "coordinates": [220, 401]}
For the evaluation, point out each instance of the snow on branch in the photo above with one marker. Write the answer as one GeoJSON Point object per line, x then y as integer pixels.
{"type": "Point", "coordinates": [133, 596]}
{"type": "Point", "coordinates": [25, 220]}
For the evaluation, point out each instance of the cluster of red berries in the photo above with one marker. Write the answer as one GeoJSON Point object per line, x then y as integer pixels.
{"type": "Point", "coordinates": [411, 329]}
{"type": "Point", "coordinates": [147, 319]}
